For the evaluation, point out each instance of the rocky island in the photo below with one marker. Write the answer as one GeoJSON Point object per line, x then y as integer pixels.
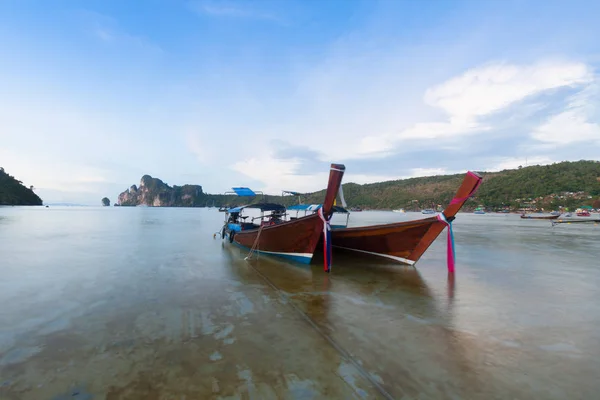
{"type": "Point", "coordinates": [14, 193]}
{"type": "Point", "coordinates": [155, 193]}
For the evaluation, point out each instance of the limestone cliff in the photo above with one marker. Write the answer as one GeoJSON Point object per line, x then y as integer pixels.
{"type": "Point", "coordinates": [155, 193]}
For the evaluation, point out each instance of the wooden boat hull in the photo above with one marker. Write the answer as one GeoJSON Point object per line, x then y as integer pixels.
{"type": "Point", "coordinates": [541, 217]}
{"type": "Point", "coordinates": [403, 242]}
{"type": "Point", "coordinates": [295, 240]}
{"type": "Point", "coordinates": [576, 221]}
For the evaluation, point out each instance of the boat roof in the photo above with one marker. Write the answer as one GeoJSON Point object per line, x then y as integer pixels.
{"type": "Point", "coordinates": [315, 207]}
{"type": "Point", "coordinates": [244, 191]}
{"type": "Point", "coordinates": [259, 206]}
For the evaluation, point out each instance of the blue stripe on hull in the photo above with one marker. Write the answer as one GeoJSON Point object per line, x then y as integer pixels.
{"type": "Point", "coordinates": [293, 257]}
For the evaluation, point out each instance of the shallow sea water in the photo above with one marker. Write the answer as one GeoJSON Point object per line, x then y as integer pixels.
{"type": "Point", "coordinates": [143, 303]}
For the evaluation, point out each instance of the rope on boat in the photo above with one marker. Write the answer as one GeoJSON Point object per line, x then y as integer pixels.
{"type": "Point", "coordinates": [254, 247]}
{"type": "Point", "coordinates": [343, 352]}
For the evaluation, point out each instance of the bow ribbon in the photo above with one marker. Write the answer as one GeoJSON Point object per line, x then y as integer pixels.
{"type": "Point", "coordinates": [326, 240]}
{"type": "Point", "coordinates": [450, 252]}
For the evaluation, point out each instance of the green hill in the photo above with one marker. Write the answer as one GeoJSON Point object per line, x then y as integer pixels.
{"type": "Point", "coordinates": [13, 193]}
{"type": "Point", "coordinates": [566, 184]}
{"type": "Point", "coordinates": [535, 187]}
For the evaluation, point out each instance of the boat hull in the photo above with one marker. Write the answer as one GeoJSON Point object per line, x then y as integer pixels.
{"type": "Point", "coordinates": [404, 242]}
{"type": "Point", "coordinates": [542, 217]}
{"type": "Point", "coordinates": [295, 240]}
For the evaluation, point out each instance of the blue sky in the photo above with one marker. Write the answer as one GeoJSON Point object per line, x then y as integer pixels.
{"type": "Point", "coordinates": [266, 94]}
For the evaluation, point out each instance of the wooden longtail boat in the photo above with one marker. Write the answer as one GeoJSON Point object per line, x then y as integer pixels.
{"type": "Point", "coordinates": [576, 221]}
{"type": "Point", "coordinates": [529, 216]}
{"type": "Point", "coordinates": [295, 239]}
{"type": "Point", "coordinates": [406, 242]}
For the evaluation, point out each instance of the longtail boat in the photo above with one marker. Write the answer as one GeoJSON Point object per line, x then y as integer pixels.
{"type": "Point", "coordinates": [529, 216]}
{"type": "Point", "coordinates": [270, 233]}
{"type": "Point", "coordinates": [576, 221]}
{"type": "Point", "coordinates": [406, 242]}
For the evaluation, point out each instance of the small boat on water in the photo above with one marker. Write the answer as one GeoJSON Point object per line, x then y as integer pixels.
{"type": "Point", "coordinates": [270, 233]}
{"type": "Point", "coordinates": [428, 211]}
{"type": "Point", "coordinates": [555, 213]}
{"type": "Point", "coordinates": [400, 210]}
{"type": "Point", "coordinates": [355, 209]}
{"type": "Point", "coordinates": [576, 221]}
{"type": "Point", "coordinates": [405, 242]}
{"type": "Point", "coordinates": [584, 213]}
{"type": "Point", "coordinates": [479, 211]}
{"type": "Point", "coordinates": [530, 216]}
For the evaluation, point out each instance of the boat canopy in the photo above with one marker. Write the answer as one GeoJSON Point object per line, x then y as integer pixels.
{"type": "Point", "coordinates": [260, 206]}
{"type": "Point", "coordinates": [244, 191]}
{"type": "Point", "coordinates": [315, 207]}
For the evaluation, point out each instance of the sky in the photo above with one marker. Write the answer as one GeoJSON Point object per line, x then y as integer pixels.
{"type": "Point", "coordinates": [266, 94]}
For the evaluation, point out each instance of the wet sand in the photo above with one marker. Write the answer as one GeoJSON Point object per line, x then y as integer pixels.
{"type": "Point", "coordinates": [155, 308]}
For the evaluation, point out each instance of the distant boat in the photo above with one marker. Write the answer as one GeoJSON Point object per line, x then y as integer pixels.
{"type": "Point", "coordinates": [428, 211]}
{"type": "Point", "coordinates": [555, 213]}
{"type": "Point", "coordinates": [529, 216]}
{"type": "Point", "coordinates": [356, 209]}
{"type": "Point", "coordinates": [583, 213]}
{"type": "Point", "coordinates": [479, 212]}
{"type": "Point", "coordinates": [401, 210]}
{"type": "Point", "coordinates": [575, 221]}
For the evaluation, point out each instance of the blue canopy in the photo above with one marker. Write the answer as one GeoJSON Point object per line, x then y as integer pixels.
{"type": "Point", "coordinates": [244, 191]}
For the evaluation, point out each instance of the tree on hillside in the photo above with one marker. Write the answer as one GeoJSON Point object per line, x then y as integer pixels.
{"type": "Point", "coordinates": [105, 202]}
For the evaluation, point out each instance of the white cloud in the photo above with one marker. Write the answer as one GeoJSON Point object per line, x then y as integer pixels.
{"type": "Point", "coordinates": [516, 162]}
{"type": "Point", "coordinates": [479, 92]}
{"type": "Point", "coordinates": [483, 90]}
{"type": "Point", "coordinates": [279, 174]}
{"type": "Point", "coordinates": [567, 127]}
{"type": "Point", "coordinates": [573, 125]}
{"type": "Point", "coordinates": [417, 172]}
{"type": "Point", "coordinates": [361, 179]}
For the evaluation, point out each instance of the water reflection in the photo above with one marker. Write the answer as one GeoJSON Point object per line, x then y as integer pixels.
{"type": "Point", "coordinates": [134, 303]}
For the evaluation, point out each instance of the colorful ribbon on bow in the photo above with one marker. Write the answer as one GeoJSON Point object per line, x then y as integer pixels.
{"type": "Point", "coordinates": [326, 241]}
{"type": "Point", "coordinates": [450, 242]}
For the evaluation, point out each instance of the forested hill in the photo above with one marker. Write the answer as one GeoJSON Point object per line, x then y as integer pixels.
{"type": "Point", "coordinates": [12, 192]}
{"type": "Point", "coordinates": [575, 182]}
{"type": "Point", "coordinates": [567, 184]}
